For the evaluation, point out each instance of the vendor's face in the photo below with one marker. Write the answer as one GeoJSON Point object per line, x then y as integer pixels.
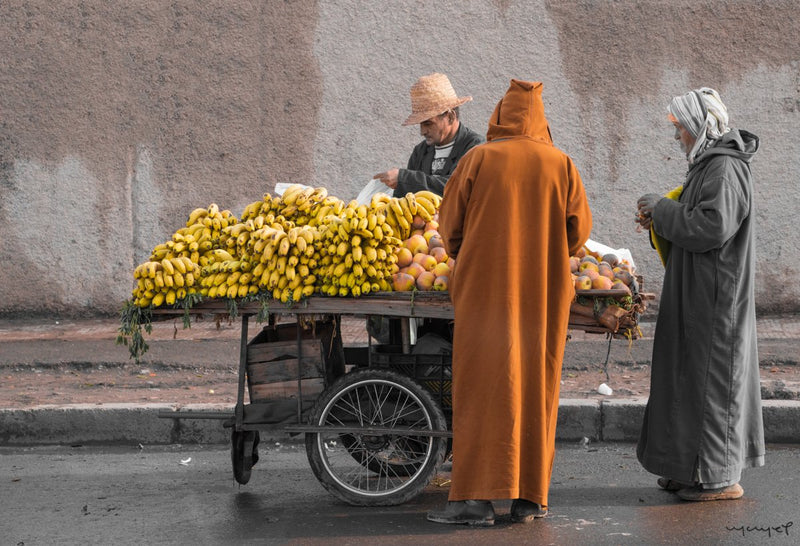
{"type": "Point", "coordinates": [683, 136]}
{"type": "Point", "coordinates": [438, 130]}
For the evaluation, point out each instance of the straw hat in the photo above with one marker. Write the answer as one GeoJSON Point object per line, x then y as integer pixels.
{"type": "Point", "coordinates": [430, 96]}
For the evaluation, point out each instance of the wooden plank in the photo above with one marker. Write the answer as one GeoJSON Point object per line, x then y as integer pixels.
{"type": "Point", "coordinates": [393, 304]}
{"type": "Point", "coordinates": [284, 370]}
{"type": "Point", "coordinates": [266, 352]}
{"type": "Point", "coordinates": [288, 389]}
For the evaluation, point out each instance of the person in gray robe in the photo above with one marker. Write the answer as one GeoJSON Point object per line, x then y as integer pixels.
{"type": "Point", "coordinates": [703, 424]}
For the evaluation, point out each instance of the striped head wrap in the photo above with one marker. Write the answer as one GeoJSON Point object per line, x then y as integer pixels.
{"type": "Point", "coordinates": [703, 114]}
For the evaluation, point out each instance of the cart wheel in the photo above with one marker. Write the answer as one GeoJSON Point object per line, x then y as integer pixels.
{"type": "Point", "coordinates": [244, 453]}
{"type": "Point", "coordinates": [376, 470]}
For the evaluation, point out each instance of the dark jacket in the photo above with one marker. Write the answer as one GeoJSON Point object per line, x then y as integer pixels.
{"type": "Point", "coordinates": [417, 176]}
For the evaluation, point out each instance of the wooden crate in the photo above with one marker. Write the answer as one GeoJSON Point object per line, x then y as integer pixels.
{"type": "Point", "coordinates": [273, 367]}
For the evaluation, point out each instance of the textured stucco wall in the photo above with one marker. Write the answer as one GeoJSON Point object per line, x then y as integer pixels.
{"type": "Point", "coordinates": [117, 119]}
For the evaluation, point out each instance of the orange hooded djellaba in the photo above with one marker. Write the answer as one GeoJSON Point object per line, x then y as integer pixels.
{"type": "Point", "coordinates": [513, 212]}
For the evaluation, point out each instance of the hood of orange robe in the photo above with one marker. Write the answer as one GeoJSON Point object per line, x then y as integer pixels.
{"type": "Point", "coordinates": [520, 113]}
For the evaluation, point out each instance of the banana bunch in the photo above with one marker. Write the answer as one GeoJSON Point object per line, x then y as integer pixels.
{"type": "Point", "coordinates": [401, 211]}
{"type": "Point", "coordinates": [357, 252]}
{"type": "Point", "coordinates": [226, 275]}
{"type": "Point", "coordinates": [305, 206]}
{"type": "Point", "coordinates": [173, 270]}
{"type": "Point", "coordinates": [164, 281]}
{"type": "Point", "coordinates": [292, 246]}
{"type": "Point", "coordinates": [286, 261]}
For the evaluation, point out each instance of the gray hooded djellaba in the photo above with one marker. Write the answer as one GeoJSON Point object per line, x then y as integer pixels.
{"type": "Point", "coordinates": [703, 419]}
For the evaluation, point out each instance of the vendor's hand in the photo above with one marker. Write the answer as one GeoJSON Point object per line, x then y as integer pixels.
{"type": "Point", "coordinates": [646, 204]}
{"type": "Point", "coordinates": [388, 177]}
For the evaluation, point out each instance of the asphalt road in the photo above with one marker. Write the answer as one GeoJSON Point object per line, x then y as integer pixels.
{"type": "Point", "coordinates": [145, 495]}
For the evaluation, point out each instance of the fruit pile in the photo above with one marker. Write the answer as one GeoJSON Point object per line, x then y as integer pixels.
{"type": "Point", "coordinates": [593, 271]}
{"type": "Point", "coordinates": [291, 246]}
{"type": "Point", "coordinates": [422, 259]}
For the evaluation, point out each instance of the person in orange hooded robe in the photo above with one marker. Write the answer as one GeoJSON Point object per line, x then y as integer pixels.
{"type": "Point", "coordinates": [513, 212]}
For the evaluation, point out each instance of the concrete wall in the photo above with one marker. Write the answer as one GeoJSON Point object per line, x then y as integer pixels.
{"type": "Point", "coordinates": [117, 119]}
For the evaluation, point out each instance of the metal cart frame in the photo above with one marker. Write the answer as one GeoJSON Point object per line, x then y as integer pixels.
{"type": "Point", "coordinates": [377, 433]}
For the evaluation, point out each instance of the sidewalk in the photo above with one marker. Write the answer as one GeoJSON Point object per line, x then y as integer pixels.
{"type": "Point", "coordinates": [90, 343]}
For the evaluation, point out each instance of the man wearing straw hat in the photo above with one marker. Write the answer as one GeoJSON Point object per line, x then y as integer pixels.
{"type": "Point", "coordinates": [434, 106]}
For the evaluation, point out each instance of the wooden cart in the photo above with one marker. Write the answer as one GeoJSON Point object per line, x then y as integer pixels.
{"type": "Point", "coordinates": [376, 419]}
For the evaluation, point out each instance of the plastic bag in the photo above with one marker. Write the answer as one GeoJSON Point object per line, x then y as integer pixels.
{"type": "Point", "coordinates": [622, 253]}
{"type": "Point", "coordinates": [373, 187]}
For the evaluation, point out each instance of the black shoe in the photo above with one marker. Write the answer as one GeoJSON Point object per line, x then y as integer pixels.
{"type": "Point", "coordinates": [466, 512]}
{"type": "Point", "coordinates": [523, 511]}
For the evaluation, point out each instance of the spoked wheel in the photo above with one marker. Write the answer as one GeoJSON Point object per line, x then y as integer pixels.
{"type": "Point", "coordinates": [244, 453]}
{"type": "Point", "coordinates": [376, 469]}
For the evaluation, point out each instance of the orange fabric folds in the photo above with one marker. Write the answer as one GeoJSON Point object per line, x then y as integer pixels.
{"type": "Point", "coordinates": [513, 212]}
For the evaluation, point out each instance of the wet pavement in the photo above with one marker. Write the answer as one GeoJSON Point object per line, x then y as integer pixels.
{"type": "Point", "coordinates": [178, 494]}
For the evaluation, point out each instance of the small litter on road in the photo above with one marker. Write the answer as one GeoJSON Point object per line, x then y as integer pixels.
{"type": "Point", "coordinates": [605, 389]}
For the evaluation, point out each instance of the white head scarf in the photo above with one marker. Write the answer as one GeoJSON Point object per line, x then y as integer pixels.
{"type": "Point", "coordinates": [703, 114]}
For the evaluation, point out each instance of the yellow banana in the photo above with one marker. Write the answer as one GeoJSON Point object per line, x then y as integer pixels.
{"type": "Point", "coordinates": [219, 279]}
{"type": "Point", "coordinates": [171, 297]}
{"type": "Point", "coordinates": [233, 278]}
{"type": "Point", "coordinates": [320, 194]}
{"type": "Point", "coordinates": [305, 194]}
{"type": "Point", "coordinates": [427, 204]}
{"type": "Point", "coordinates": [177, 265]}
{"type": "Point", "coordinates": [396, 208]}
{"type": "Point", "coordinates": [195, 215]}
{"type": "Point", "coordinates": [432, 197]}
{"type": "Point", "coordinates": [290, 194]}
{"type": "Point", "coordinates": [405, 206]}
{"type": "Point", "coordinates": [168, 266]}
{"type": "Point", "coordinates": [158, 299]}
{"type": "Point", "coordinates": [213, 209]}
{"type": "Point", "coordinates": [233, 291]}
{"type": "Point", "coordinates": [423, 213]}
{"type": "Point", "coordinates": [378, 199]}
{"type": "Point", "coordinates": [280, 266]}
{"type": "Point", "coordinates": [221, 255]}
{"type": "Point", "coordinates": [284, 246]}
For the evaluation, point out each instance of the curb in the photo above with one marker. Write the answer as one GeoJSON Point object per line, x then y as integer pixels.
{"type": "Point", "coordinates": [607, 420]}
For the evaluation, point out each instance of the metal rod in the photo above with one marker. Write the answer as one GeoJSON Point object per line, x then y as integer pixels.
{"type": "Point", "coordinates": [405, 333]}
{"type": "Point", "coordinates": [369, 431]}
{"type": "Point", "coordinates": [299, 372]}
{"type": "Point", "coordinates": [239, 410]}
{"type": "Point", "coordinates": [188, 414]}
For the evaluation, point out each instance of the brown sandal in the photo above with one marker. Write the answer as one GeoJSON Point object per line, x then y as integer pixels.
{"type": "Point", "coordinates": [697, 493]}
